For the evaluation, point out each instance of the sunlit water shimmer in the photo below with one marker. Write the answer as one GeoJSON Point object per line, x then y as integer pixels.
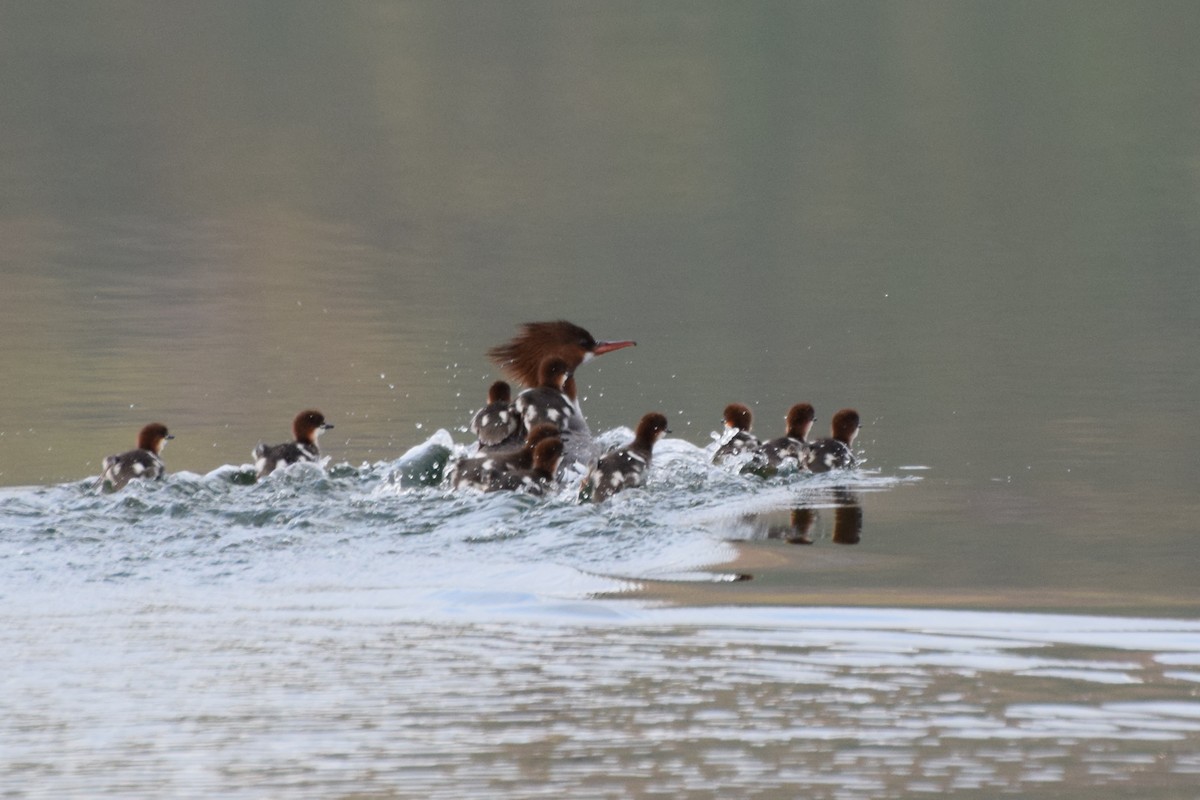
{"type": "Point", "coordinates": [345, 633]}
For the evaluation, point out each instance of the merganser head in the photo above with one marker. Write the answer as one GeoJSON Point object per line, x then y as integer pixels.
{"type": "Point", "coordinates": [553, 373]}
{"type": "Point", "coordinates": [800, 418]}
{"type": "Point", "coordinates": [547, 454]}
{"type": "Point", "coordinates": [541, 432]}
{"type": "Point", "coordinates": [499, 392]}
{"type": "Point", "coordinates": [652, 427]}
{"type": "Point", "coordinates": [523, 355]}
{"type": "Point", "coordinates": [738, 416]}
{"type": "Point", "coordinates": [845, 425]}
{"type": "Point", "coordinates": [308, 425]}
{"type": "Point", "coordinates": [153, 437]}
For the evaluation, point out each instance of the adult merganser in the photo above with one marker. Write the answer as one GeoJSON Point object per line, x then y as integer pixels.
{"type": "Point", "coordinates": [547, 402]}
{"type": "Point", "coordinates": [143, 462]}
{"type": "Point", "coordinates": [306, 427]}
{"type": "Point", "coordinates": [477, 472]}
{"type": "Point", "coordinates": [793, 444]}
{"type": "Point", "coordinates": [737, 438]}
{"type": "Point", "coordinates": [835, 453]}
{"type": "Point", "coordinates": [495, 425]}
{"type": "Point", "coordinates": [536, 480]}
{"type": "Point", "coordinates": [522, 358]}
{"type": "Point", "coordinates": [627, 467]}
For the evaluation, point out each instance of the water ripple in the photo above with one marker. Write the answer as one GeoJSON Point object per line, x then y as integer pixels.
{"type": "Point", "coordinates": [202, 526]}
{"type": "Point", "coordinates": [340, 694]}
{"type": "Point", "coordinates": [343, 634]}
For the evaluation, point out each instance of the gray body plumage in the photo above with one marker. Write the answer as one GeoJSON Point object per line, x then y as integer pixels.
{"type": "Point", "coordinates": [829, 454]}
{"type": "Point", "coordinates": [621, 469]}
{"type": "Point", "coordinates": [121, 469]}
{"type": "Point", "coordinates": [535, 406]}
{"type": "Point", "coordinates": [529, 481]}
{"type": "Point", "coordinates": [777, 451]}
{"type": "Point", "coordinates": [477, 472]}
{"type": "Point", "coordinates": [268, 457]}
{"type": "Point", "coordinates": [735, 443]}
{"type": "Point", "coordinates": [497, 425]}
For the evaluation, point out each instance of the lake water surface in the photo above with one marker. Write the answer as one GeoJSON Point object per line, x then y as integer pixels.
{"type": "Point", "coordinates": [976, 223]}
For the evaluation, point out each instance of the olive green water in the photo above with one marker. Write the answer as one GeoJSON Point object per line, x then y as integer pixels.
{"type": "Point", "coordinates": [977, 223]}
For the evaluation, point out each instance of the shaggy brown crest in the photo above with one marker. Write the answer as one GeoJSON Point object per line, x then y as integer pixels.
{"type": "Point", "coordinates": [521, 357]}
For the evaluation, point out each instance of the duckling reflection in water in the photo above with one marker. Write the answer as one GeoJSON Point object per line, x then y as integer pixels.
{"type": "Point", "coordinates": [798, 530]}
{"type": "Point", "coordinates": [798, 524]}
{"type": "Point", "coordinates": [847, 520]}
